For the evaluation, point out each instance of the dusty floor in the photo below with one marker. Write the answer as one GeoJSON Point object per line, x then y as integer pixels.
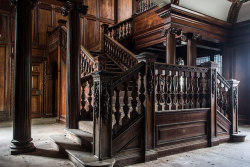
{"type": "Point", "coordinates": [224, 155]}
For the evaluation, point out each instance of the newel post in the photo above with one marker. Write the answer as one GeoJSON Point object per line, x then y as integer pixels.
{"type": "Point", "coordinates": [102, 115]}
{"type": "Point", "coordinates": [104, 31]}
{"type": "Point", "coordinates": [212, 96]}
{"type": "Point", "coordinates": [234, 105]}
{"type": "Point", "coordinates": [149, 59]}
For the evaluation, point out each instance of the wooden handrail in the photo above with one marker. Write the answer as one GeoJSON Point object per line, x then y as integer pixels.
{"type": "Point", "coordinates": [118, 53]}
{"type": "Point", "coordinates": [223, 80]}
{"type": "Point", "coordinates": [124, 21]}
{"type": "Point", "coordinates": [121, 30]}
{"type": "Point", "coordinates": [128, 74]}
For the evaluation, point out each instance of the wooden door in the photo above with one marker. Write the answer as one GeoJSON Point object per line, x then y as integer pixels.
{"type": "Point", "coordinates": [37, 91]}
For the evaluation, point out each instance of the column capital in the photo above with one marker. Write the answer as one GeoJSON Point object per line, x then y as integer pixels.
{"type": "Point", "coordinates": [73, 6]}
{"type": "Point", "coordinates": [192, 36]}
{"type": "Point", "coordinates": [171, 30]}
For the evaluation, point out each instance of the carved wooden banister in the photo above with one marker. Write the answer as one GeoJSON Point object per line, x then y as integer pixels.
{"type": "Point", "coordinates": [180, 87]}
{"type": "Point", "coordinates": [121, 30]}
{"type": "Point", "coordinates": [223, 96]}
{"type": "Point", "coordinates": [118, 53]}
{"type": "Point", "coordinates": [118, 101]}
{"type": "Point", "coordinates": [144, 5]}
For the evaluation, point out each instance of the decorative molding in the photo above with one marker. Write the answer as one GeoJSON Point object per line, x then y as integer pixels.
{"type": "Point", "coordinates": [96, 98]}
{"type": "Point", "coordinates": [213, 80]}
{"type": "Point", "coordinates": [165, 14]}
{"type": "Point", "coordinates": [150, 77]}
{"type": "Point", "coordinates": [235, 94]}
{"type": "Point", "coordinates": [106, 108]}
{"type": "Point", "coordinates": [171, 30]}
{"type": "Point", "coordinates": [14, 2]}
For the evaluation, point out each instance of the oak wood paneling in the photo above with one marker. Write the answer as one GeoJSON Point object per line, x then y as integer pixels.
{"type": "Point", "coordinates": [45, 17]}
{"type": "Point", "coordinates": [2, 78]}
{"type": "Point", "coordinates": [124, 10]}
{"type": "Point", "coordinates": [91, 33]}
{"type": "Point", "coordinates": [175, 126]}
{"type": "Point", "coordinates": [107, 9]}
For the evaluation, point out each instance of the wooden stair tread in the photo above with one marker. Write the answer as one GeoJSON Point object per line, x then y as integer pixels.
{"type": "Point", "coordinates": [78, 155]}
{"type": "Point", "coordinates": [84, 139]}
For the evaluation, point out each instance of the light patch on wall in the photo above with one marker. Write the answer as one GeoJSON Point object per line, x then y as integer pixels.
{"type": "Point", "coordinates": [244, 13]}
{"type": "Point", "coordinates": [215, 8]}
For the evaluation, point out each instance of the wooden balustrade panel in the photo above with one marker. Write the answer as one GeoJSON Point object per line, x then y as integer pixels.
{"type": "Point", "coordinates": [144, 5]}
{"type": "Point", "coordinates": [119, 53]}
{"type": "Point", "coordinates": [223, 96]}
{"type": "Point", "coordinates": [128, 111]}
{"type": "Point", "coordinates": [122, 30]}
{"type": "Point", "coordinates": [180, 87]}
{"type": "Point", "coordinates": [181, 130]}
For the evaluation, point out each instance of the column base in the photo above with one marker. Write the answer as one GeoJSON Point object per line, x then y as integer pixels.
{"type": "Point", "coordinates": [17, 147]}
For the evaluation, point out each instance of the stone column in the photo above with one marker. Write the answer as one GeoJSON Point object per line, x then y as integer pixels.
{"type": "Point", "coordinates": [21, 142]}
{"type": "Point", "coordinates": [170, 34]}
{"type": "Point", "coordinates": [73, 11]}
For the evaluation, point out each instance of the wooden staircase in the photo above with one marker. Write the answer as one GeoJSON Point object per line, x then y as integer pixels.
{"type": "Point", "coordinates": [134, 109]}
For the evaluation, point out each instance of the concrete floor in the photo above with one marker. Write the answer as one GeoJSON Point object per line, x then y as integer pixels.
{"type": "Point", "coordinates": [224, 155]}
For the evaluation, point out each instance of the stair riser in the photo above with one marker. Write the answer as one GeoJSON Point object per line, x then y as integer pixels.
{"type": "Point", "coordinates": [83, 143]}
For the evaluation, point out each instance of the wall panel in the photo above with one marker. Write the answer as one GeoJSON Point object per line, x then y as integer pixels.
{"type": "Point", "coordinates": [45, 20]}
{"type": "Point", "coordinates": [124, 10]}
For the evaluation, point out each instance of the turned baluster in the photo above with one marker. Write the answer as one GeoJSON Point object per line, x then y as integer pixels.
{"type": "Point", "coordinates": [158, 89]}
{"type": "Point", "coordinates": [125, 119]}
{"type": "Point", "coordinates": [125, 29]}
{"type": "Point", "coordinates": [175, 90]}
{"type": "Point", "coordinates": [184, 89]}
{"type": "Point", "coordinates": [191, 95]}
{"type": "Point", "coordinates": [117, 113]}
{"type": "Point", "coordinates": [166, 86]}
{"type": "Point", "coordinates": [170, 90]}
{"type": "Point", "coordinates": [196, 90]}
{"type": "Point", "coordinates": [83, 102]}
{"type": "Point", "coordinates": [180, 90]}
{"type": "Point", "coordinates": [134, 114]}
{"type": "Point", "coordinates": [142, 92]}
{"type": "Point", "coordinates": [90, 92]}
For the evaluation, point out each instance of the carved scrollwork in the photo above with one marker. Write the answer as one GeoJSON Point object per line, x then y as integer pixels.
{"type": "Point", "coordinates": [66, 8]}
{"type": "Point", "coordinates": [150, 78]}
{"type": "Point", "coordinates": [235, 94]}
{"type": "Point", "coordinates": [96, 98]}
{"type": "Point", "coordinates": [106, 109]}
{"type": "Point", "coordinates": [69, 6]}
{"type": "Point", "coordinates": [213, 79]}
{"type": "Point", "coordinates": [171, 30]}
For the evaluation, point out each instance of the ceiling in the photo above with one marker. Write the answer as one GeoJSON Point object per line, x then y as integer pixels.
{"type": "Point", "coordinates": [227, 10]}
